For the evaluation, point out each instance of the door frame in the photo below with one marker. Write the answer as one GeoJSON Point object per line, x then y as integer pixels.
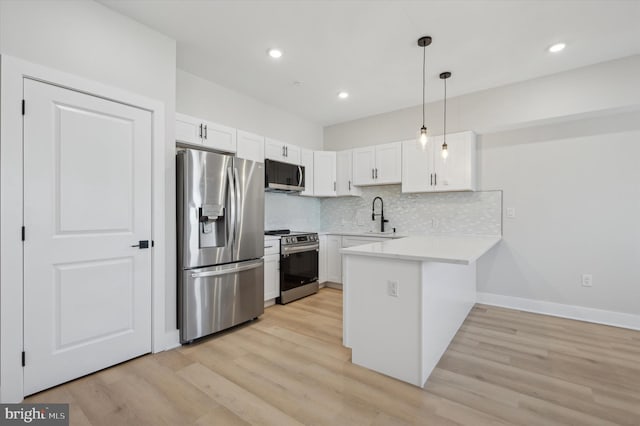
{"type": "Point", "coordinates": [12, 73]}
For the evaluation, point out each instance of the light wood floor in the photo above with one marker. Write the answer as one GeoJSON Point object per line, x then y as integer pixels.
{"type": "Point", "coordinates": [289, 367]}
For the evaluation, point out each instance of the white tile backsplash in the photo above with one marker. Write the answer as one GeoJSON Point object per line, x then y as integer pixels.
{"type": "Point", "coordinates": [285, 211]}
{"type": "Point", "coordinates": [453, 213]}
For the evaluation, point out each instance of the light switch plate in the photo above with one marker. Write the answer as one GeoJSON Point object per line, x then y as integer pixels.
{"type": "Point", "coordinates": [511, 212]}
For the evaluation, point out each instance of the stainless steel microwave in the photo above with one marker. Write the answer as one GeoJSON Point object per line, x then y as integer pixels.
{"type": "Point", "coordinates": [283, 177]}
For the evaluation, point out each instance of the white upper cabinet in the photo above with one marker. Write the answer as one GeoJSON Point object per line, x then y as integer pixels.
{"type": "Point", "coordinates": [250, 146]}
{"type": "Point", "coordinates": [324, 173]}
{"type": "Point", "coordinates": [195, 131]}
{"type": "Point", "coordinates": [344, 174]}
{"type": "Point", "coordinates": [364, 163]}
{"type": "Point", "coordinates": [378, 165]}
{"type": "Point", "coordinates": [388, 163]}
{"type": "Point", "coordinates": [280, 151]}
{"type": "Point", "coordinates": [306, 159]}
{"type": "Point", "coordinates": [424, 170]}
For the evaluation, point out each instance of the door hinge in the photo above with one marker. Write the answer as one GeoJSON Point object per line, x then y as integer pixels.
{"type": "Point", "coordinates": [24, 359]}
{"type": "Point", "coordinates": [24, 233]}
{"type": "Point", "coordinates": [23, 106]}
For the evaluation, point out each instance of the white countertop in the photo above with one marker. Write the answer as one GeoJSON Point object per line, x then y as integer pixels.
{"type": "Point", "coordinates": [364, 234]}
{"type": "Point", "coordinates": [448, 249]}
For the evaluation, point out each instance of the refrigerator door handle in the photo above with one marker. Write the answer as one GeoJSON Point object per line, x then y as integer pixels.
{"type": "Point", "coordinates": [239, 205]}
{"type": "Point", "coordinates": [233, 202]}
{"type": "Point", "coordinates": [227, 271]}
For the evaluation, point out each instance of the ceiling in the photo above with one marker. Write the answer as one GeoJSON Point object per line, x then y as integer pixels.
{"type": "Point", "coordinates": [368, 48]}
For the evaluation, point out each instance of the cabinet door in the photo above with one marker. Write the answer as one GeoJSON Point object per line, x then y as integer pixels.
{"type": "Point", "coordinates": [363, 166]}
{"type": "Point", "coordinates": [250, 146]}
{"type": "Point", "coordinates": [306, 159]}
{"type": "Point", "coordinates": [271, 276]}
{"type": "Point", "coordinates": [417, 166]}
{"type": "Point", "coordinates": [292, 154]}
{"type": "Point", "coordinates": [457, 171]}
{"type": "Point", "coordinates": [219, 137]}
{"type": "Point", "coordinates": [334, 258]}
{"type": "Point", "coordinates": [344, 174]}
{"type": "Point", "coordinates": [388, 163]}
{"type": "Point", "coordinates": [274, 150]}
{"type": "Point", "coordinates": [189, 129]}
{"type": "Point", "coordinates": [324, 168]}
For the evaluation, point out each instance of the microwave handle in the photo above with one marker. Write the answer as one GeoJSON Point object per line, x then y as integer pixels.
{"type": "Point", "coordinates": [299, 175]}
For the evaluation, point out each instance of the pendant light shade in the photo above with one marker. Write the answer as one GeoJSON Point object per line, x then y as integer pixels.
{"type": "Point", "coordinates": [445, 148]}
{"type": "Point", "coordinates": [423, 42]}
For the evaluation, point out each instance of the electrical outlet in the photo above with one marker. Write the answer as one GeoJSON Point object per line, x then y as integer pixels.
{"type": "Point", "coordinates": [392, 288]}
{"type": "Point", "coordinates": [511, 212]}
{"type": "Point", "coordinates": [587, 280]}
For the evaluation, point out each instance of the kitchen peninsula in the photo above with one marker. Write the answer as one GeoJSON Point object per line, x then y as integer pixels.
{"type": "Point", "coordinates": [405, 299]}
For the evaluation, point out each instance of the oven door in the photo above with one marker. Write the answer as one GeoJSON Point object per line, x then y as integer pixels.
{"type": "Point", "coordinates": [298, 266]}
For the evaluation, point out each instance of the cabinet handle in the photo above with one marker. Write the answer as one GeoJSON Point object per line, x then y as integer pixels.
{"type": "Point", "coordinates": [373, 174]}
{"type": "Point", "coordinates": [334, 185]}
{"type": "Point", "coordinates": [349, 185]}
{"type": "Point", "coordinates": [376, 173]}
{"type": "Point", "coordinates": [200, 131]}
{"type": "Point", "coordinates": [286, 151]}
{"type": "Point", "coordinates": [430, 179]}
{"type": "Point", "coordinates": [435, 179]}
{"type": "Point", "coordinates": [205, 131]}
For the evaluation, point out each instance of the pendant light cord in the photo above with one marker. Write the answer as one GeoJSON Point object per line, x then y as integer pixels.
{"type": "Point", "coordinates": [445, 111]}
{"type": "Point", "coordinates": [424, 66]}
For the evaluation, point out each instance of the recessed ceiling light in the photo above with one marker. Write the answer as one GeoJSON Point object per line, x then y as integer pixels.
{"type": "Point", "coordinates": [343, 95]}
{"type": "Point", "coordinates": [555, 48]}
{"type": "Point", "coordinates": [274, 53]}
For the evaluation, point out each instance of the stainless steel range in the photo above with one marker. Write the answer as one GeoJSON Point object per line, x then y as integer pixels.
{"type": "Point", "coordinates": [298, 264]}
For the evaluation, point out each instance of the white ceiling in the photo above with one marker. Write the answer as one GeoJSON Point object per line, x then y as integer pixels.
{"type": "Point", "coordinates": [368, 48]}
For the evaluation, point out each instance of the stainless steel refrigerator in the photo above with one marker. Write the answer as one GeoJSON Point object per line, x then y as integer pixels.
{"type": "Point", "coordinates": [220, 211]}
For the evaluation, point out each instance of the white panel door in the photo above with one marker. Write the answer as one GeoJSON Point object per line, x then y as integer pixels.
{"type": "Point", "coordinates": [388, 163]}
{"type": "Point", "coordinates": [274, 150]}
{"type": "Point", "coordinates": [457, 172]}
{"type": "Point", "coordinates": [364, 163]}
{"type": "Point", "coordinates": [250, 146]}
{"type": "Point", "coordinates": [344, 174]}
{"type": "Point", "coordinates": [417, 166]}
{"type": "Point", "coordinates": [334, 258]}
{"type": "Point", "coordinates": [271, 277]}
{"type": "Point", "coordinates": [324, 168]}
{"type": "Point", "coordinates": [292, 154]}
{"type": "Point", "coordinates": [219, 137]}
{"type": "Point", "coordinates": [306, 159]}
{"type": "Point", "coordinates": [87, 201]}
{"type": "Point", "coordinates": [189, 129]}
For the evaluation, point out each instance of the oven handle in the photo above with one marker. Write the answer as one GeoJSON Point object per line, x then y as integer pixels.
{"type": "Point", "coordinates": [298, 249]}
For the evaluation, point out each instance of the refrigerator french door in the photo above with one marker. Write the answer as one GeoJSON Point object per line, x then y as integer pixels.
{"type": "Point", "coordinates": [220, 212]}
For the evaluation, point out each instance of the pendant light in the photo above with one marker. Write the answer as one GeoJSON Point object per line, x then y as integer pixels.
{"type": "Point", "coordinates": [423, 42]}
{"type": "Point", "coordinates": [445, 151]}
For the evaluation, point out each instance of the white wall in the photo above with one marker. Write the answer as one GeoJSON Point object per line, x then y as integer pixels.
{"type": "Point", "coordinates": [568, 164]}
{"type": "Point", "coordinates": [208, 100]}
{"type": "Point", "coordinates": [610, 86]}
{"type": "Point", "coordinates": [205, 99]}
{"type": "Point", "coordinates": [89, 40]}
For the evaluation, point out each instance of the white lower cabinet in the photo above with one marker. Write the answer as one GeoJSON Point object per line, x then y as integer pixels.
{"type": "Point", "coordinates": [271, 269]}
{"type": "Point", "coordinates": [330, 257]}
{"type": "Point", "coordinates": [334, 258]}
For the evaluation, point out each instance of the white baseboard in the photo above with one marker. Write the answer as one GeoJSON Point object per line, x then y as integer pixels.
{"type": "Point", "coordinates": [337, 286]}
{"type": "Point", "coordinates": [598, 316]}
{"type": "Point", "coordinates": [171, 340]}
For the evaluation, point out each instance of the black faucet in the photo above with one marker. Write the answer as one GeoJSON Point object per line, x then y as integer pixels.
{"type": "Point", "coordinates": [381, 214]}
